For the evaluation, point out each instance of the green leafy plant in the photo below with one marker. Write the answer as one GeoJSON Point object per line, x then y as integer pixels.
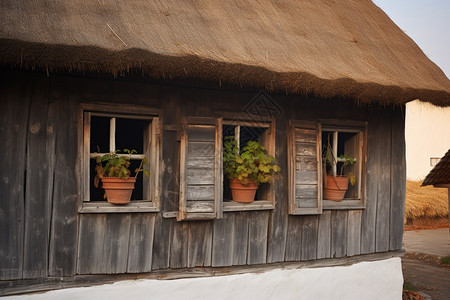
{"type": "Point", "coordinates": [445, 260]}
{"type": "Point", "coordinates": [251, 163]}
{"type": "Point", "coordinates": [345, 160]}
{"type": "Point", "coordinates": [116, 165]}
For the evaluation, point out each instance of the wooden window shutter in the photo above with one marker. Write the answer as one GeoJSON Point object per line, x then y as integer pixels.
{"type": "Point", "coordinates": [201, 169]}
{"type": "Point", "coordinates": [304, 167]}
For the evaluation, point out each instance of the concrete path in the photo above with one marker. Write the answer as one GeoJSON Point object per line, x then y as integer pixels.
{"type": "Point", "coordinates": [423, 271]}
{"type": "Point", "coordinates": [432, 242]}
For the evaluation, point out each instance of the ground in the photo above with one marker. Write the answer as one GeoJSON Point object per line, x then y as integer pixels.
{"type": "Point", "coordinates": [429, 278]}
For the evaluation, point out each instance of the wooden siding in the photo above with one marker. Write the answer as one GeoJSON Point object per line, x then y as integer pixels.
{"type": "Point", "coordinates": [42, 233]}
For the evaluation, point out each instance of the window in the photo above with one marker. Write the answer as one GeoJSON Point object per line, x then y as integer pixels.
{"type": "Point", "coordinates": [106, 131]}
{"type": "Point", "coordinates": [434, 161]}
{"type": "Point", "coordinates": [306, 169]}
{"type": "Point", "coordinates": [203, 192]}
{"type": "Point", "coordinates": [243, 132]}
{"type": "Point", "coordinates": [346, 140]}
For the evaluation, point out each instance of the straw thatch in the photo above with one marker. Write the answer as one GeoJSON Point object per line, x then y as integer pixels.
{"type": "Point", "coordinates": [440, 174]}
{"type": "Point", "coordinates": [345, 49]}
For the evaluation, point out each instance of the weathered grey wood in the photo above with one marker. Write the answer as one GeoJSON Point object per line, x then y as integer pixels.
{"type": "Point", "coordinates": [15, 105]}
{"type": "Point", "coordinates": [223, 240]}
{"type": "Point", "coordinates": [354, 232]}
{"type": "Point", "coordinates": [198, 176]}
{"type": "Point", "coordinates": [62, 254]}
{"type": "Point", "coordinates": [169, 190]}
{"type": "Point", "coordinates": [115, 245]}
{"type": "Point", "coordinates": [197, 142]}
{"type": "Point", "coordinates": [258, 225]}
{"type": "Point", "coordinates": [179, 245]}
{"type": "Point", "coordinates": [309, 237]}
{"type": "Point", "coordinates": [294, 239]}
{"type": "Point", "coordinates": [307, 163]}
{"type": "Point", "coordinates": [374, 154]}
{"type": "Point", "coordinates": [98, 207]}
{"type": "Point", "coordinates": [398, 179]}
{"type": "Point", "coordinates": [39, 178]}
{"type": "Point", "coordinates": [90, 242]}
{"type": "Point", "coordinates": [384, 187]}
{"type": "Point", "coordinates": [278, 222]}
{"type": "Point", "coordinates": [305, 192]}
{"type": "Point", "coordinates": [305, 149]}
{"type": "Point", "coordinates": [104, 240]}
{"type": "Point", "coordinates": [200, 244]}
{"type": "Point", "coordinates": [339, 233]}
{"type": "Point", "coordinates": [197, 206]}
{"type": "Point", "coordinates": [305, 184]}
{"type": "Point", "coordinates": [306, 177]}
{"type": "Point", "coordinates": [200, 152]}
{"type": "Point", "coordinates": [255, 205]}
{"type": "Point", "coordinates": [324, 235]}
{"type": "Point", "coordinates": [140, 245]}
{"type": "Point", "coordinates": [305, 135]}
{"type": "Point", "coordinates": [240, 238]}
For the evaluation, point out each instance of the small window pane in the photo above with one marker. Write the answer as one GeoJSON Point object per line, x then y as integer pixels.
{"type": "Point", "coordinates": [99, 134]}
{"type": "Point", "coordinates": [130, 133]}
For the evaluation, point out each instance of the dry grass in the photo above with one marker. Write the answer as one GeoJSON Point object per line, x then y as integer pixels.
{"type": "Point", "coordinates": [425, 202]}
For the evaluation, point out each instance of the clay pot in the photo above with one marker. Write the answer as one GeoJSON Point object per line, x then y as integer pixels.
{"type": "Point", "coordinates": [335, 188]}
{"type": "Point", "coordinates": [243, 193]}
{"type": "Point", "coordinates": [118, 190]}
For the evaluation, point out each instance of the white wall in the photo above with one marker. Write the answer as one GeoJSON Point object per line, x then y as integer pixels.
{"type": "Point", "coordinates": [427, 132]}
{"type": "Point", "coordinates": [367, 280]}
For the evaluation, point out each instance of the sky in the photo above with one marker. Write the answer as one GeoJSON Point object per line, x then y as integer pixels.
{"type": "Point", "coordinates": [427, 22]}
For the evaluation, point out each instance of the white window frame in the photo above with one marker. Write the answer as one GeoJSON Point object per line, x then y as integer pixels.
{"type": "Point", "coordinates": [152, 151]}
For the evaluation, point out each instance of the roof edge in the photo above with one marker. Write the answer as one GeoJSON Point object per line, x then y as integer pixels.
{"type": "Point", "coordinates": [56, 57]}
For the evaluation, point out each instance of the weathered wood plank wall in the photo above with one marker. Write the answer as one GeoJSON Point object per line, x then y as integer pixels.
{"type": "Point", "coordinates": [15, 105]}
{"type": "Point", "coordinates": [42, 233]}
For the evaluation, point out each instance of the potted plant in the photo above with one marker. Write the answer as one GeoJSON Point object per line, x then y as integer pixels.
{"type": "Point", "coordinates": [335, 186]}
{"type": "Point", "coordinates": [112, 170]}
{"type": "Point", "coordinates": [247, 168]}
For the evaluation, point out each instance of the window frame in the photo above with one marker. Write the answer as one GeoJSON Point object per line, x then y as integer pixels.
{"type": "Point", "coordinates": [270, 145]}
{"type": "Point", "coordinates": [351, 126]}
{"type": "Point", "coordinates": [220, 205]}
{"type": "Point", "coordinates": [154, 157]}
{"type": "Point", "coordinates": [310, 133]}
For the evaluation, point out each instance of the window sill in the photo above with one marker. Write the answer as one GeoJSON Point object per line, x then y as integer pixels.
{"type": "Point", "coordinates": [344, 204]}
{"type": "Point", "coordinates": [105, 207]}
{"type": "Point", "coordinates": [256, 205]}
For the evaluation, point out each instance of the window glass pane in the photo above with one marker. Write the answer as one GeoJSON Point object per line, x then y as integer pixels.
{"type": "Point", "coordinates": [250, 134]}
{"type": "Point", "coordinates": [99, 134]}
{"type": "Point", "coordinates": [348, 143]}
{"type": "Point", "coordinates": [130, 133]}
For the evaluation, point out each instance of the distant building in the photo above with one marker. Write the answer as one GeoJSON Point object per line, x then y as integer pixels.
{"type": "Point", "coordinates": [427, 137]}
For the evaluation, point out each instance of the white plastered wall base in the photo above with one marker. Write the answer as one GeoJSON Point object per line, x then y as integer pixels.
{"type": "Point", "coordinates": [366, 280]}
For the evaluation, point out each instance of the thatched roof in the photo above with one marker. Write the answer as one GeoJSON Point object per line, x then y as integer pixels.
{"type": "Point", "coordinates": [346, 49]}
{"type": "Point", "coordinates": [440, 174]}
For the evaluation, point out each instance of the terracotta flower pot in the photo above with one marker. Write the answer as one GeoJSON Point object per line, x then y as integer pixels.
{"type": "Point", "coordinates": [335, 188]}
{"type": "Point", "coordinates": [118, 190]}
{"type": "Point", "coordinates": [243, 193]}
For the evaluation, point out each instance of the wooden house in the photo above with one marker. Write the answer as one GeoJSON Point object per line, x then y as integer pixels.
{"type": "Point", "coordinates": [171, 80]}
